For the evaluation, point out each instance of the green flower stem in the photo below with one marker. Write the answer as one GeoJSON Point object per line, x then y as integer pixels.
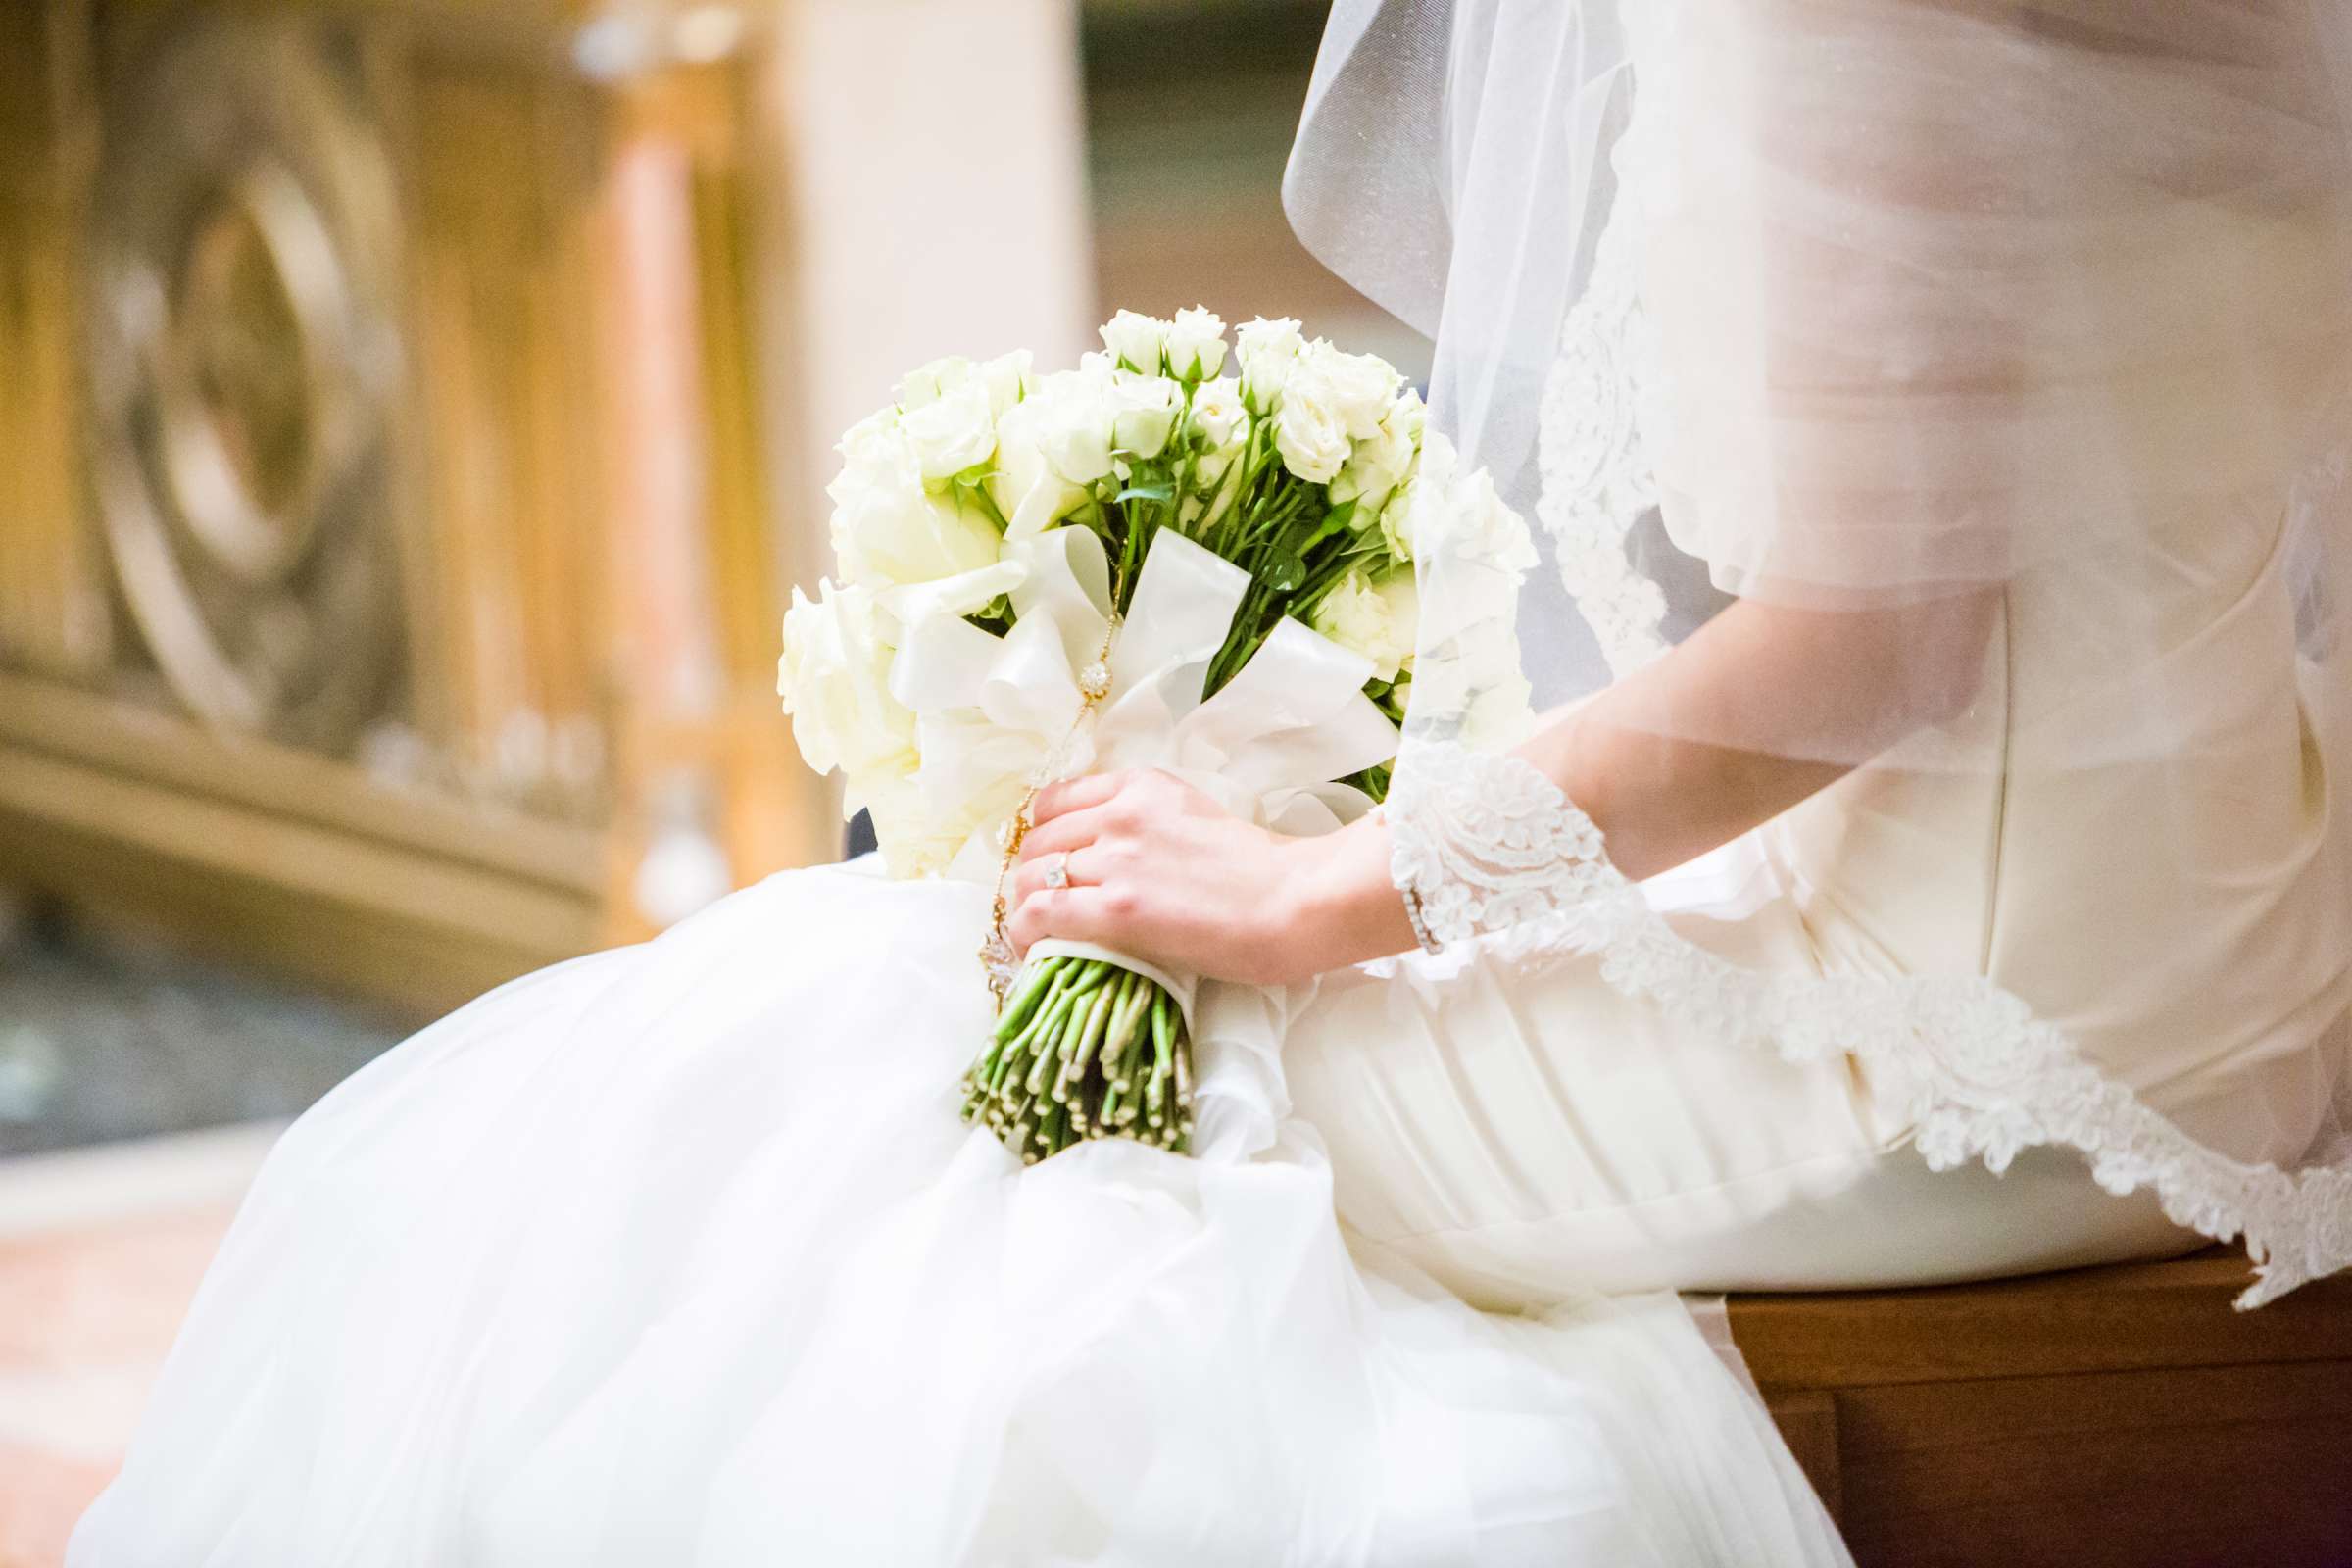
{"type": "Point", "coordinates": [1084, 1050]}
{"type": "Point", "coordinates": [1077, 1046]}
{"type": "Point", "coordinates": [1133, 1007]}
{"type": "Point", "coordinates": [1020, 1025]}
{"type": "Point", "coordinates": [1025, 1002]}
{"type": "Point", "coordinates": [1085, 1055]}
{"type": "Point", "coordinates": [1163, 1068]}
{"type": "Point", "coordinates": [1025, 1043]}
{"type": "Point", "coordinates": [1098, 1003]}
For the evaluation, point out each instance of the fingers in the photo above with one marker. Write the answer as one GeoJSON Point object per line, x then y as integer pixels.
{"type": "Point", "coordinates": [1029, 880]}
{"type": "Point", "coordinates": [1074, 830]}
{"type": "Point", "coordinates": [1073, 913]}
{"type": "Point", "coordinates": [1073, 795]}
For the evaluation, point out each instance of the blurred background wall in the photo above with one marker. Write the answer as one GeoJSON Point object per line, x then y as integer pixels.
{"type": "Point", "coordinates": [412, 415]}
{"type": "Point", "coordinates": [414, 411]}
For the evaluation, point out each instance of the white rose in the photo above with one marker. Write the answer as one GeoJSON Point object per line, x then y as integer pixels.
{"type": "Point", "coordinates": [1143, 416]}
{"type": "Point", "coordinates": [1222, 424]}
{"type": "Point", "coordinates": [1267, 351]}
{"type": "Point", "coordinates": [1462, 514]}
{"type": "Point", "coordinates": [1396, 521]}
{"type": "Point", "coordinates": [927, 384]}
{"type": "Point", "coordinates": [1489, 529]}
{"type": "Point", "coordinates": [1376, 466]}
{"type": "Point", "coordinates": [887, 527]}
{"type": "Point", "coordinates": [1357, 387]}
{"type": "Point", "coordinates": [1072, 417]}
{"type": "Point", "coordinates": [1196, 344]}
{"type": "Point", "coordinates": [876, 448]}
{"type": "Point", "coordinates": [834, 677]}
{"type": "Point", "coordinates": [1218, 415]}
{"type": "Point", "coordinates": [1312, 441]}
{"type": "Point", "coordinates": [1138, 342]}
{"type": "Point", "coordinates": [1026, 487]}
{"type": "Point", "coordinates": [1006, 378]}
{"type": "Point", "coordinates": [953, 432]}
{"type": "Point", "coordinates": [1408, 417]}
{"type": "Point", "coordinates": [915, 837]}
{"type": "Point", "coordinates": [1377, 619]}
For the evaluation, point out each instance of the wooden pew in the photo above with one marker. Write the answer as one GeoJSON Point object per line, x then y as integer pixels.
{"type": "Point", "coordinates": [2116, 1416]}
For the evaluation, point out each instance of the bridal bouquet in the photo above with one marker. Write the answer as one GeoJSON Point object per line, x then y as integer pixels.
{"type": "Point", "coordinates": [1142, 562]}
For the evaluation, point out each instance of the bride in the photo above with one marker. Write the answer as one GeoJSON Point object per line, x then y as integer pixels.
{"type": "Point", "coordinates": [1934, 409]}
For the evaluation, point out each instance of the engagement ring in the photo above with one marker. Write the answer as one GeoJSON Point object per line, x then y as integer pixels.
{"type": "Point", "coordinates": [1058, 874]}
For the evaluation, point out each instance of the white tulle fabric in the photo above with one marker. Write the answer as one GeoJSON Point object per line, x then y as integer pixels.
{"type": "Point", "coordinates": [1856, 303]}
{"type": "Point", "coordinates": [679, 1254]}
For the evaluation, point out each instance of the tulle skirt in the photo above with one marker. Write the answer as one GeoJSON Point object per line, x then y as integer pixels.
{"type": "Point", "coordinates": [680, 1255]}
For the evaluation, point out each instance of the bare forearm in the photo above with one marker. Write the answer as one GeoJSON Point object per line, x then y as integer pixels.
{"type": "Point", "coordinates": [1762, 709]}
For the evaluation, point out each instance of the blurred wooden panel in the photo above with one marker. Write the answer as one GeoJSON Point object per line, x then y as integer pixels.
{"type": "Point", "coordinates": [53, 616]}
{"type": "Point", "coordinates": [388, 550]}
{"type": "Point", "coordinates": [2130, 1318]}
{"type": "Point", "coordinates": [2121, 1416]}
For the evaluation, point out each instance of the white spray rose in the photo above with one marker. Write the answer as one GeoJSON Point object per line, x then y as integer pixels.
{"type": "Point", "coordinates": [1309, 435]}
{"type": "Point", "coordinates": [915, 837]}
{"type": "Point", "coordinates": [1396, 520]}
{"type": "Point", "coordinates": [1357, 387]}
{"type": "Point", "coordinates": [1376, 618]}
{"type": "Point", "coordinates": [1006, 378]}
{"type": "Point", "coordinates": [888, 528]}
{"type": "Point", "coordinates": [1218, 415]}
{"type": "Point", "coordinates": [1379, 465]}
{"type": "Point", "coordinates": [890, 538]}
{"type": "Point", "coordinates": [1490, 530]}
{"type": "Point", "coordinates": [1027, 489]}
{"type": "Point", "coordinates": [1461, 514]}
{"type": "Point", "coordinates": [1196, 344]}
{"type": "Point", "coordinates": [1267, 351]}
{"type": "Point", "coordinates": [1076, 425]}
{"type": "Point", "coordinates": [834, 678]}
{"type": "Point", "coordinates": [1143, 414]}
{"type": "Point", "coordinates": [1223, 426]}
{"type": "Point", "coordinates": [875, 447]}
{"type": "Point", "coordinates": [927, 384]}
{"type": "Point", "coordinates": [1137, 341]}
{"type": "Point", "coordinates": [1408, 417]}
{"type": "Point", "coordinates": [954, 431]}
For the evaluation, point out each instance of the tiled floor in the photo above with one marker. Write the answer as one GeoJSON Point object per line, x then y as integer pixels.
{"type": "Point", "coordinates": [100, 1251]}
{"type": "Point", "coordinates": [108, 1209]}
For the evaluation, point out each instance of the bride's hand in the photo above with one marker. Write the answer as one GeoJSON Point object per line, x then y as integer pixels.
{"type": "Point", "coordinates": [1157, 869]}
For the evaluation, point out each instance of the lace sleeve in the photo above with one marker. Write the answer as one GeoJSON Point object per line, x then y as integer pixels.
{"type": "Point", "coordinates": [1486, 843]}
{"type": "Point", "coordinates": [1496, 855]}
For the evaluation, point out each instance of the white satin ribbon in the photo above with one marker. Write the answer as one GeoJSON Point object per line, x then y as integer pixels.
{"type": "Point", "coordinates": [990, 710]}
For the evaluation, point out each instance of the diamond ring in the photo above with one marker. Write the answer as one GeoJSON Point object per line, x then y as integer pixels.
{"type": "Point", "coordinates": [1058, 871]}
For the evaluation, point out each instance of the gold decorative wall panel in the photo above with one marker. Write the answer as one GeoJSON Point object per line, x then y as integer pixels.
{"type": "Point", "coordinates": [387, 573]}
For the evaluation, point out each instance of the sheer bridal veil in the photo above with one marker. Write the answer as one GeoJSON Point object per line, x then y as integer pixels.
{"type": "Point", "coordinates": [1874, 306]}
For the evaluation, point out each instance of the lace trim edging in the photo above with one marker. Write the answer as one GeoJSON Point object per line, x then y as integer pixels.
{"type": "Point", "coordinates": [1984, 1078]}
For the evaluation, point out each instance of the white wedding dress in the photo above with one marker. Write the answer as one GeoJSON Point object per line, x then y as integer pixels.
{"type": "Point", "coordinates": [680, 1255]}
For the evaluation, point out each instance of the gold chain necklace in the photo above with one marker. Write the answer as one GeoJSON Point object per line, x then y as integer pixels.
{"type": "Point", "coordinates": [997, 958]}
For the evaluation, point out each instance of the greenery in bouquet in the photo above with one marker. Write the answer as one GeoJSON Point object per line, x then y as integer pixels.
{"type": "Point", "coordinates": [1299, 466]}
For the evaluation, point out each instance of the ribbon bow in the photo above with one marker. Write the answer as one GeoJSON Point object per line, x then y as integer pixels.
{"type": "Point", "coordinates": [994, 712]}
